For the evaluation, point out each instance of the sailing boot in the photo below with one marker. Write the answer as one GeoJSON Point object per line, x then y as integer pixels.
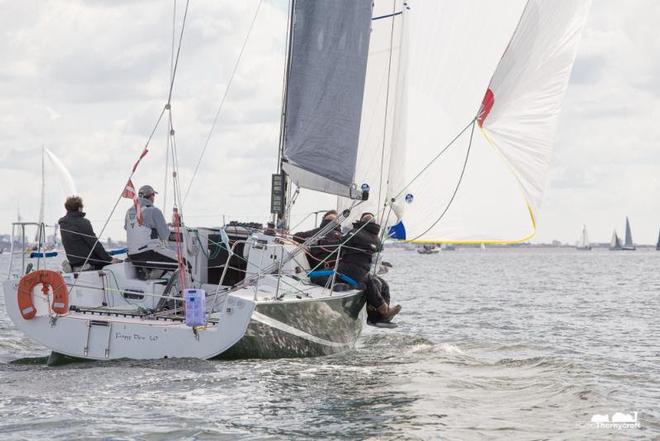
{"type": "Point", "coordinates": [387, 313]}
{"type": "Point", "coordinates": [372, 315]}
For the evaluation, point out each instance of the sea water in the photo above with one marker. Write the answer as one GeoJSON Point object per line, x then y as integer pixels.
{"type": "Point", "coordinates": [495, 344]}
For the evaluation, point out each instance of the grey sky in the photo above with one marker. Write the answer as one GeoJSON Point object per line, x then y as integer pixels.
{"type": "Point", "coordinates": [88, 79]}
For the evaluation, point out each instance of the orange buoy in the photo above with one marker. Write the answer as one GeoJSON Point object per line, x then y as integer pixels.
{"type": "Point", "coordinates": [48, 279]}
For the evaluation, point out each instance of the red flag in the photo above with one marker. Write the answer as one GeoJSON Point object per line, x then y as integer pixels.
{"type": "Point", "coordinates": [130, 193]}
{"type": "Point", "coordinates": [129, 190]}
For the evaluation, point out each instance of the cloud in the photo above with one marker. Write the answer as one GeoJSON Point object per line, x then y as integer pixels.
{"type": "Point", "coordinates": [606, 159]}
{"type": "Point", "coordinates": [89, 78]}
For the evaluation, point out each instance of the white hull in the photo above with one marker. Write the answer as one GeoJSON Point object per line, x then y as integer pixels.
{"type": "Point", "coordinates": [109, 336]}
{"type": "Point", "coordinates": [113, 314]}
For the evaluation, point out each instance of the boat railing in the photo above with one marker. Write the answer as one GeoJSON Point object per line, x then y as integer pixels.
{"type": "Point", "coordinates": [36, 252]}
{"type": "Point", "coordinates": [275, 268]}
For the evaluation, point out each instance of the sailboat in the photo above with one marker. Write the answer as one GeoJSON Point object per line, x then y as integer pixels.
{"type": "Point", "coordinates": [628, 244]}
{"type": "Point", "coordinates": [427, 249]}
{"type": "Point", "coordinates": [583, 243]}
{"type": "Point", "coordinates": [657, 245]}
{"type": "Point", "coordinates": [251, 295]}
{"type": "Point", "coordinates": [615, 243]}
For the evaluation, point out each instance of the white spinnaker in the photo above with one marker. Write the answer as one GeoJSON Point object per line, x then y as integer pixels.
{"type": "Point", "coordinates": [528, 88]}
{"type": "Point", "coordinates": [379, 114]}
{"type": "Point", "coordinates": [507, 167]}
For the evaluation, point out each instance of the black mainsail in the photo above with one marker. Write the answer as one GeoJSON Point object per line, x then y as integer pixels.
{"type": "Point", "coordinates": [325, 86]}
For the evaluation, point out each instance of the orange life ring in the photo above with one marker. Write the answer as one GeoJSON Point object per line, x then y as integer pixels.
{"type": "Point", "coordinates": [46, 278]}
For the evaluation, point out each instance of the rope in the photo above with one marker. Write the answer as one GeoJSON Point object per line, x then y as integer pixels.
{"type": "Point", "coordinates": [458, 184]}
{"type": "Point", "coordinates": [222, 102]}
{"type": "Point", "coordinates": [405, 187]}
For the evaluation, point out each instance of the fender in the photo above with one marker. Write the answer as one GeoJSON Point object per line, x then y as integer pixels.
{"type": "Point", "coordinates": [48, 279]}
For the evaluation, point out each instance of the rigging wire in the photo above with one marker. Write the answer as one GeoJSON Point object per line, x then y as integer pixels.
{"type": "Point", "coordinates": [167, 146]}
{"type": "Point", "coordinates": [167, 107]}
{"type": "Point", "coordinates": [114, 207]}
{"type": "Point", "coordinates": [458, 184]}
{"type": "Point", "coordinates": [222, 102]}
{"type": "Point", "coordinates": [387, 101]}
{"type": "Point", "coordinates": [178, 53]}
{"type": "Point", "coordinates": [435, 158]}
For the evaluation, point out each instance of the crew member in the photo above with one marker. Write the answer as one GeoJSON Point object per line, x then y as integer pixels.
{"type": "Point", "coordinates": [322, 254]}
{"type": "Point", "coordinates": [147, 242]}
{"type": "Point", "coordinates": [358, 247]}
{"type": "Point", "coordinates": [83, 249]}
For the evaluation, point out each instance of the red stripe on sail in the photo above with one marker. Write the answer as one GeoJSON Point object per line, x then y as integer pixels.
{"type": "Point", "coordinates": [486, 106]}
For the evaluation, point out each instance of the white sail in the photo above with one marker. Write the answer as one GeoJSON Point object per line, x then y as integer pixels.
{"type": "Point", "coordinates": [63, 173]}
{"type": "Point", "coordinates": [583, 243]}
{"type": "Point", "coordinates": [520, 54]}
{"type": "Point", "coordinates": [629, 244]}
{"type": "Point", "coordinates": [380, 121]}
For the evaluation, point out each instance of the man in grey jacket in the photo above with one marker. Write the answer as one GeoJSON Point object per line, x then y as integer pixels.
{"type": "Point", "coordinates": [147, 242]}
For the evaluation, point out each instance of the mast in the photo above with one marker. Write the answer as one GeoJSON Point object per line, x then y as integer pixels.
{"type": "Point", "coordinates": [39, 236]}
{"type": "Point", "coordinates": [279, 185]}
{"type": "Point", "coordinates": [43, 188]}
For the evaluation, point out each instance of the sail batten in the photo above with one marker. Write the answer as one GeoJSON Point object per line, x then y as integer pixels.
{"type": "Point", "coordinates": [330, 44]}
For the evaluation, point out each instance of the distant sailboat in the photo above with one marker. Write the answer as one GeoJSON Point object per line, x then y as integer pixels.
{"type": "Point", "coordinates": [427, 249]}
{"type": "Point", "coordinates": [657, 246]}
{"type": "Point", "coordinates": [615, 243]}
{"type": "Point", "coordinates": [628, 245]}
{"type": "Point", "coordinates": [483, 246]}
{"type": "Point", "coordinates": [447, 247]}
{"type": "Point", "coordinates": [583, 243]}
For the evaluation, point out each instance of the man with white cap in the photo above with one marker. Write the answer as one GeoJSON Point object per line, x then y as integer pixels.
{"type": "Point", "coordinates": [147, 241]}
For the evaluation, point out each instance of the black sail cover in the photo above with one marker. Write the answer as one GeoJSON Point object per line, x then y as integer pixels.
{"type": "Point", "coordinates": [328, 62]}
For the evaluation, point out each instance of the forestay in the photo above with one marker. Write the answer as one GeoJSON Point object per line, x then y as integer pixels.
{"type": "Point", "coordinates": [521, 54]}
{"type": "Point", "coordinates": [380, 122]}
{"type": "Point", "coordinates": [329, 48]}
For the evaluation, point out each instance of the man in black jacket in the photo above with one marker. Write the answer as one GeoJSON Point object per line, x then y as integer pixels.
{"type": "Point", "coordinates": [358, 248]}
{"type": "Point", "coordinates": [322, 254]}
{"type": "Point", "coordinates": [79, 239]}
